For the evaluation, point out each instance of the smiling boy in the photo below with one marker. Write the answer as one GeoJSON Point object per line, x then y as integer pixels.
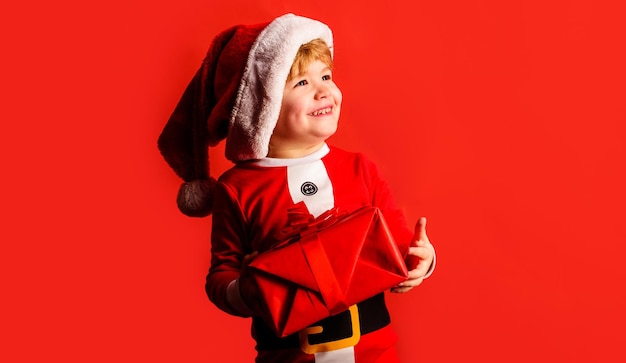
{"type": "Point", "coordinates": [310, 106]}
{"type": "Point", "coordinates": [285, 105]}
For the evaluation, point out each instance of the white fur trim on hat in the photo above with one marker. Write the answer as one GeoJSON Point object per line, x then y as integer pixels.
{"type": "Point", "coordinates": [260, 94]}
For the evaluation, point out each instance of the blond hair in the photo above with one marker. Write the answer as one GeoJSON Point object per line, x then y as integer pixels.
{"type": "Point", "coordinates": [316, 49]}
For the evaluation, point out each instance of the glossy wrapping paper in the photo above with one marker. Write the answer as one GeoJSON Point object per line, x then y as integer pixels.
{"type": "Point", "coordinates": [330, 264]}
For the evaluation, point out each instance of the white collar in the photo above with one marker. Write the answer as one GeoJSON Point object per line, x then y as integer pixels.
{"type": "Point", "coordinates": [317, 155]}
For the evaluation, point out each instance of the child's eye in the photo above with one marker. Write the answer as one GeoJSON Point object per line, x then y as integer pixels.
{"type": "Point", "coordinates": [326, 77]}
{"type": "Point", "coordinates": [302, 83]}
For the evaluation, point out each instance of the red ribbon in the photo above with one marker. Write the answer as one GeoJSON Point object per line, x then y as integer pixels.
{"type": "Point", "coordinates": [302, 223]}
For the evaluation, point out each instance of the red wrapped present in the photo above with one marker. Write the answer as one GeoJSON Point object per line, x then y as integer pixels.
{"type": "Point", "coordinates": [335, 262]}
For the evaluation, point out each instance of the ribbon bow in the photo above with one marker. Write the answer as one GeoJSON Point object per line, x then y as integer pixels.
{"type": "Point", "coordinates": [302, 223]}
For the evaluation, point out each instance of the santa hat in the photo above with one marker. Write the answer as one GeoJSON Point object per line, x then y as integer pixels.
{"type": "Point", "coordinates": [235, 95]}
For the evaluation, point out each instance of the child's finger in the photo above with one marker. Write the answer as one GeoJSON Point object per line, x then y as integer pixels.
{"type": "Point", "coordinates": [420, 230]}
{"type": "Point", "coordinates": [421, 252]}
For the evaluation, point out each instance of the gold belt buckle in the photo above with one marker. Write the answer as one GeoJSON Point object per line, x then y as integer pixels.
{"type": "Point", "coordinates": [335, 344]}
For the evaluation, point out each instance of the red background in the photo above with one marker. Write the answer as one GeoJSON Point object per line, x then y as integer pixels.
{"type": "Point", "coordinates": [501, 121]}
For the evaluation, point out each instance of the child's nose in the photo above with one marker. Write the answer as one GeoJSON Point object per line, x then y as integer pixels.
{"type": "Point", "coordinates": [322, 91]}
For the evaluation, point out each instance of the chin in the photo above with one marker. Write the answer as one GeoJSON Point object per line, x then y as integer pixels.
{"type": "Point", "coordinates": [328, 133]}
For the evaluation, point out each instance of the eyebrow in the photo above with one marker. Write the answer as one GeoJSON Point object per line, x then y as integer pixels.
{"type": "Point", "coordinates": [302, 74]}
{"type": "Point", "coordinates": [325, 69]}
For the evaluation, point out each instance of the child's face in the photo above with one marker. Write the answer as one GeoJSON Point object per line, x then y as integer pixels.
{"type": "Point", "coordinates": [309, 113]}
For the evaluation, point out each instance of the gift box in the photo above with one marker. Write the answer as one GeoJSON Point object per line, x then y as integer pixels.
{"type": "Point", "coordinates": [332, 263]}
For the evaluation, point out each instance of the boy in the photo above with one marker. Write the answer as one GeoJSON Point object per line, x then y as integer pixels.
{"type": "Point", "coordinates": [277, 80]}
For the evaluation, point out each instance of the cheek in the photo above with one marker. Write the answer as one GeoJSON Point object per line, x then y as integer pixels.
{"type": "Point", "coordinates": [291, 107]}
{"type": "Point", "coordinates": [338, 96]}
{"type": "Point", "coordinates": [287, 120]}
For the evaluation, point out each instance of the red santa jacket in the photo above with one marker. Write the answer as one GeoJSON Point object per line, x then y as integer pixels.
{"type": "Point", "coordinates": [252, 198]}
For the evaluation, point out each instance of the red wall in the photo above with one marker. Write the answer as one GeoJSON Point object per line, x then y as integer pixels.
{"type": "Point", "coordinates": [502, 122]}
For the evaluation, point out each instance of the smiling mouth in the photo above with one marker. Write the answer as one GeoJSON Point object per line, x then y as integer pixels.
{"type": "Point", "coordinates": [322, 111]}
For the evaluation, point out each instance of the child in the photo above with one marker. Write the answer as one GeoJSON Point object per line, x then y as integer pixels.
{"type": "Point", "coordinates": [268, 89]}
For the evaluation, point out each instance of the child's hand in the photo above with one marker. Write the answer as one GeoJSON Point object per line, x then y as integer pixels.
{"type": "Point", "coordinates": [421, 255]}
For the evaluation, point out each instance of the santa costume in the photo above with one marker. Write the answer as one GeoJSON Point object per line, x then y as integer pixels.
{"type": "Point", "coordinates": [236, 95]}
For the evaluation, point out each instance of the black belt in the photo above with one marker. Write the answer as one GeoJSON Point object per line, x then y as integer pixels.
{"type": "Point", "coordinates": [373, 315]}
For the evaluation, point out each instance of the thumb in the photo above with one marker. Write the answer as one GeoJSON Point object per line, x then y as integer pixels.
{"type": "Point", "coordinates": [420, 230]}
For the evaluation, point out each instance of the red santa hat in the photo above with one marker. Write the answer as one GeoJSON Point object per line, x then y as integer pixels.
{"type": "Point", "coordinates": [235, 95]}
